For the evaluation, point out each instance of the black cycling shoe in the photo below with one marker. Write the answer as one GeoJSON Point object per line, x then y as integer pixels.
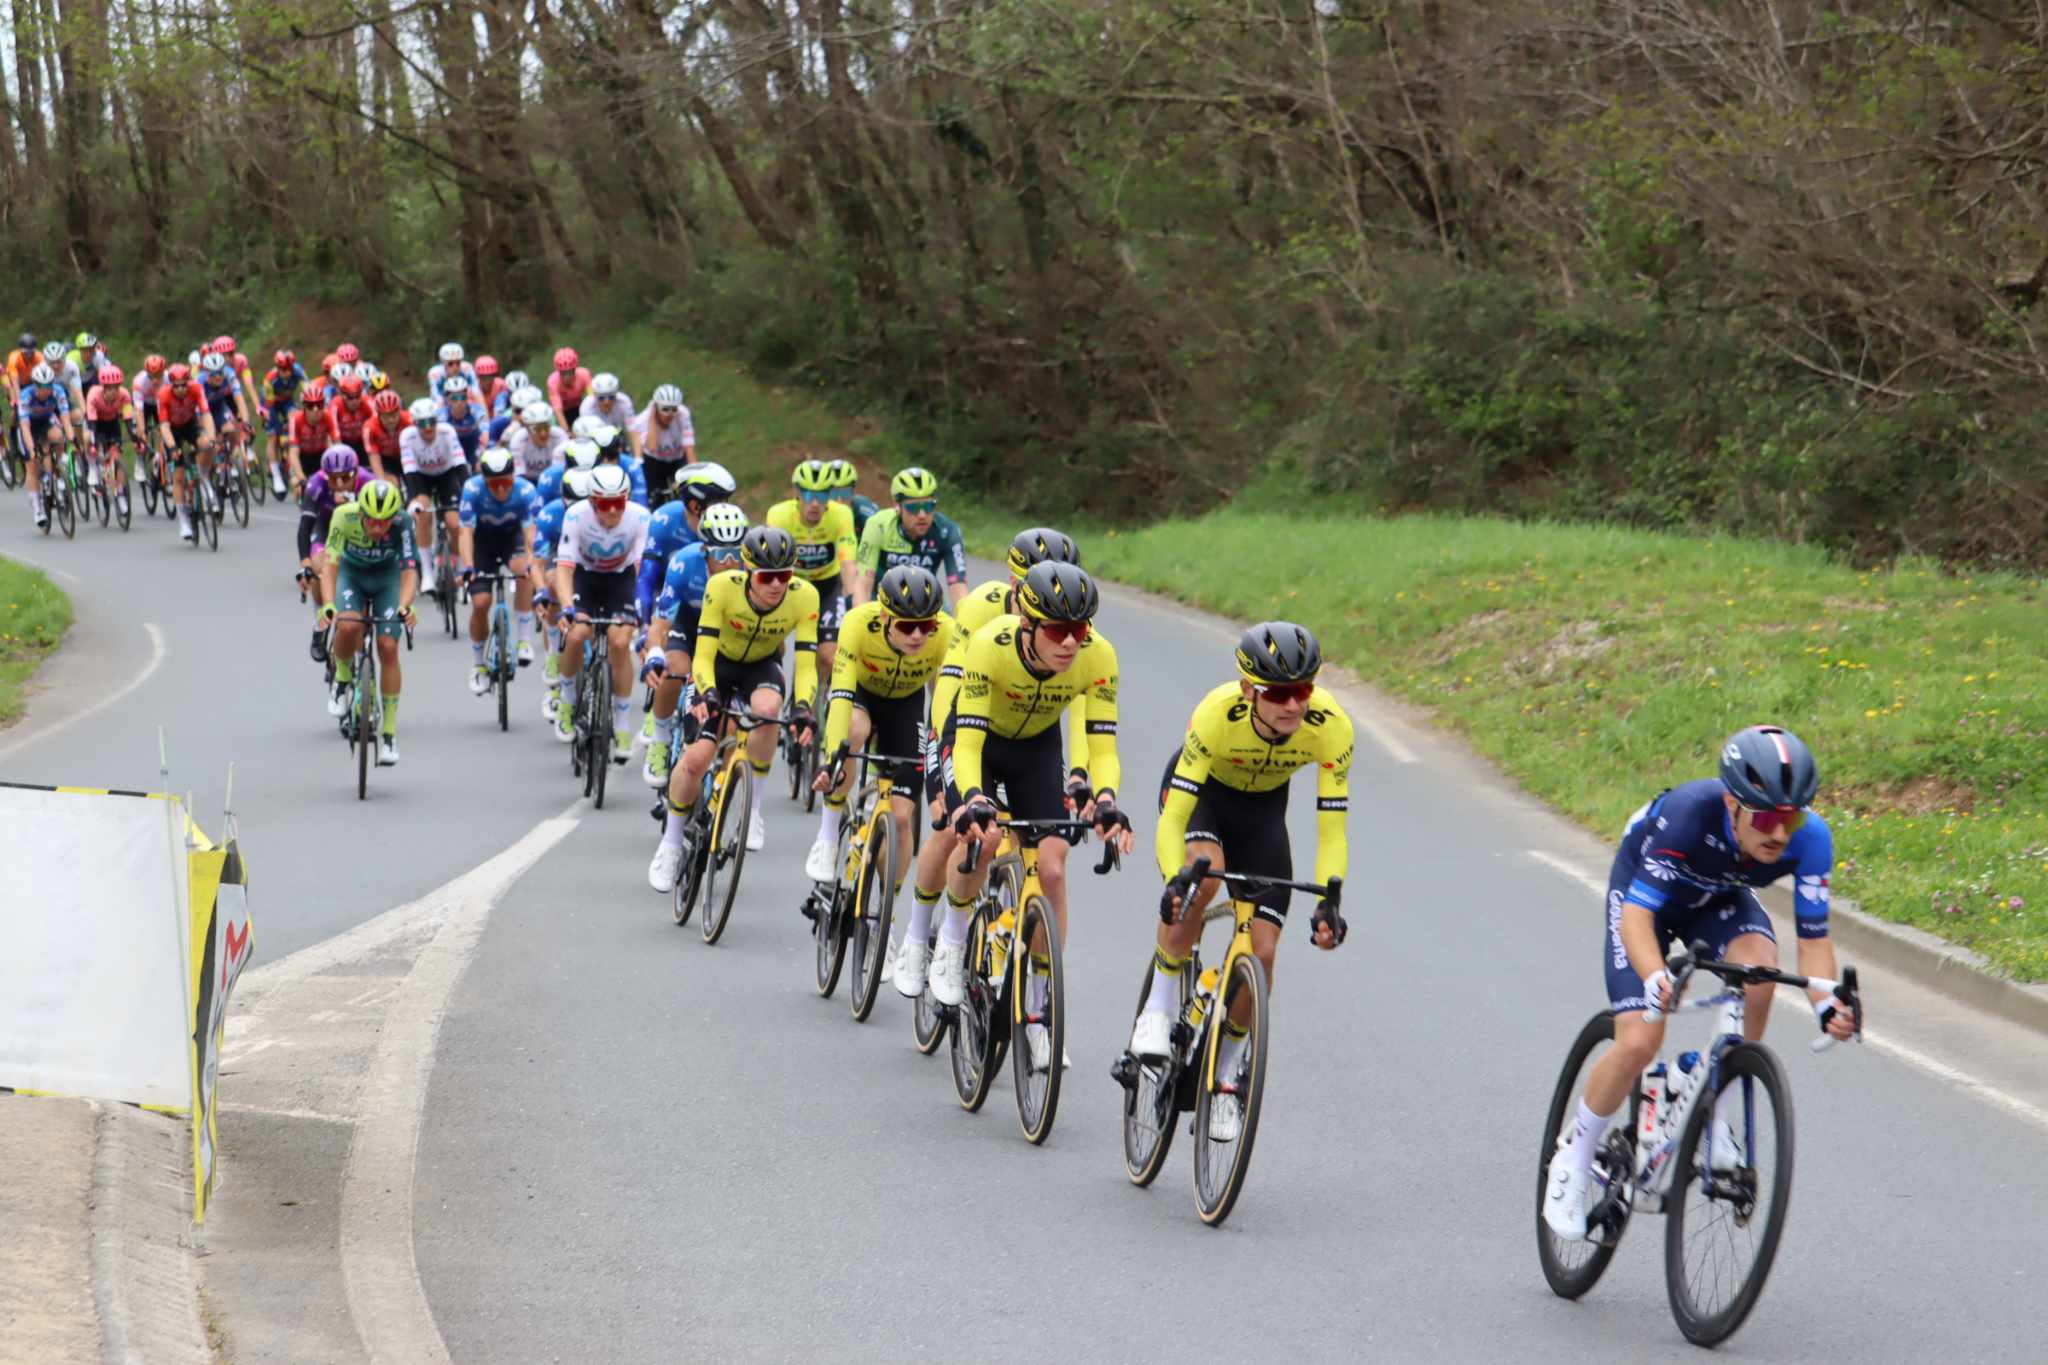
{"type": "Point", "coordinates": [319, 648]}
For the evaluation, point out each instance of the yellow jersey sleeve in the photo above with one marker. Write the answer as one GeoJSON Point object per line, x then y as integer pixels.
{"type": "Point", "coordinates": [845, 676]}
{"type": "Point", "coordinates": [718, 606]}
{"type": "Point", "coordinates": [804, 598]}
{"type": "Point", "coordinates": [1184, 784]}
{"type": "Point", "coordinates": [1333, 789]}
{"type": "Point", "coordinates": [1095, 708]}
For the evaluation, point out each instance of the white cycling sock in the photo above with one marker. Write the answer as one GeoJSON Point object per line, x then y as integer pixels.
{"type": "Point", "coordinates": [622, 713]}
{"type": "Point", "coordinates": [1165, 996]}
{"type": "Point", "coordinates": [672, 832]}
{"type": "Point", "coordinates": [1587, 1130]}
{"type": "Point", "coordinates": [828, 825]}
{"type": "Point", "coordinates": [920, 927]}
{"type": "Point", "coordinates": [664, 730]}
{"type": "Point", "coordinates": [525, 620]}
{"type": "Point", "coordinates": [1226, 1056]}
{"type": "Point", "coordinates": [568, 686]}
{"type": "Point", "coordinates": [953, 928]}
{"type": "Point", "coordinates": [1039, 988]}
{"type": "Point", "coordinates": [760, 792]}
{"type": "Point", "coordinates": [476, 650]}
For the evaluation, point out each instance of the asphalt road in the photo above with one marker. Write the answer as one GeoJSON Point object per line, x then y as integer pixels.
{"type": "Point", "coordinates": [637, 1148]}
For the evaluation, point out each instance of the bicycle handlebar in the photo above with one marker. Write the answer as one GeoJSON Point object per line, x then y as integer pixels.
{"type": "Point", "coordinates": [1075, 832]}
{"type": "Point", "coordinates": [1693, 957]}
{"type": "Point", "coordinates": [1197, 872]}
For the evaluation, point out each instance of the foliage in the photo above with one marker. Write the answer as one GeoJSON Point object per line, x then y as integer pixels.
{"type": "Point", "coordinates": [34, 614]}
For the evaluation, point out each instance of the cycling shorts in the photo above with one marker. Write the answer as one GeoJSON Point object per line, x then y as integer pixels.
{"type": "Point", "coordinates": [444, 490]}
{"type": "Point", "coordinates": [1719, 923]}
{"type": "Point", "coordinates": [831, 608]}
{"type": "Point", "coordinates": [309, 462]}
{"type": "Point", "coordinates": [896, 726]}
{"type": "Point", "coordinates": [496, 546]}
{"type": "Point", "coordinates": [39, 429]}
{"type": "Point", "coordinates": [223, 409]}
{"type": "Point", "coordinates": [277, 420]}
{"type": "Point", "coordinates": [109, 432]}
{"type": "Point", "coordinates": [737, 683]}
{"type": "Point", "coordinates": [604, 594]}
{"type": "Point", "coordinates": [371, 594]}
{"type": "Point", "coordinates": [1251, 827]}
{"type": "Point", "coordinates": [1030, 773]}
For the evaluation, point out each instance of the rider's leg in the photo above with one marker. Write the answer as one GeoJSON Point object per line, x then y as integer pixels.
{"type": "Point", "coordinates": [766, 701]}
{"type": "Point", "coordinates": [388, 680]}
{"type": "Point", "coordinates": [622, 660]}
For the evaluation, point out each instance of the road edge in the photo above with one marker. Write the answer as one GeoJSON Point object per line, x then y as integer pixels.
{"type": "Point", "coordinates": [1947, 969]}
{"type": "Point", "coordinates": [145, 1273]}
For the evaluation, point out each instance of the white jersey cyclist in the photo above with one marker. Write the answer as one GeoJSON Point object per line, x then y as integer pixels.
{"type": "Point", "coordinates": [671, 442]}
{"type": "Point", "coordinates": [595, 548]}
{"type": "Point", "coordinates": [435, 454]}
{"type": "Point", "coordinates": [534, 457]}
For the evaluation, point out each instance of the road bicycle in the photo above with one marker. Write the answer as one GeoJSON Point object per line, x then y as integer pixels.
{"type": "Point", "coordinates": [500, 665]}
{"type": "Point", "coordinates": [1012, 992]}
{"type": "Point", "coordinates": [856, 907]}
{"type": "Point", "coordinates": [715, 841]}
{"type": "Point", "coordinates": [1722, 1207]}
{"type": "Point", "coordinates": [78, 484]}
{"type": "Point", "coordinates": [13, 464]}
{"type": "Point", "coordinates": [590, 752]}
{"type": "Point", "coordinates": [444, 569]}
{"type": "Point", "coordinates": [110, 488]}
{"type": "Point", "coordinates": [55, 486]}
{"type": "Point", "coordinates": [231, 474]}
{"type": "Point", "coordinates": [205, 494]}
{"type": "Point", "coordinates": [363, 721]}
{"type": "Point", "coordinates": [1193, 1075]}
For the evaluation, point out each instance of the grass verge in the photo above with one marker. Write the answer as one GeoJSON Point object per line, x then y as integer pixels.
{"type": "Point", "coordinates": [1595, 665]}
{"type": "Point", "coordinates": [33, 617]}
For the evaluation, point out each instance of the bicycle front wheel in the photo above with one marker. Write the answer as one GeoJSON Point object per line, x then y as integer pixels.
{"type": "Point", "coordinates": [981, 1023]}
{"type": "Point", "coordinates": [728, 848]}
{"type": "Point", "coordinates": [600, 716]}
{"type": "Point", "coordinates": [1151, 1097]}
{"type": "Point", "coordinates": [206, 502]}
{"type": "Point", "coordinates": [366, 740]}
{"type": "Point", "coordinates": [873, 911]}
{"type": "Point", "coordinates": [238, 492]}
{"type": "Point", "coordinates": [1223, 1158]}
{"type": "Point", "coordinates": [67, 509]}
{"type": "Point", "coordinates": [835, 910]}
{"type": "Point", "coordinates": [501, 666]}
{"type": "Point", "coordinates": [1036, 1058]}
{"type": "Point", "coordinates": [1722, 1225]}
{"type": "Point", "coordinates": [927, 1024]}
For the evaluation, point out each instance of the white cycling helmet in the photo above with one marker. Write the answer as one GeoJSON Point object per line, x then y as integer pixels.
{"type": "Point", "coordinates": [193, 359]}
{"type": "Point", "coordinates": [524, 398]}
{"type": "Point", "coordinates": [451, 353]}
{"type": "Point", "coordinates": [455, 386]}
{"type": "Point", "coordinates": [605, 385]}
{"type": "Point", "coordinates": [582, 453]}
{"type": "Point", "coordinates": [53, 351]}
{"type": "Point", "coordinates": [706, 482]}
{"type": "Point", "coordinates": [425, 410]}
{"type": "Point", "coordinates": [668, 396]}
{"type": "Point", "coordinates": [580, 428]}
{"type": "Point", "coordinates": [496, 463]}
{"type": "Point", "coordinates": [724, 525]}
{"type": "Point", "coordinates": [212, 363]}
{"type": "Point", "coordinates": [605, 435]}
{"type": "Point", "coordinates": [42, 374]}
{"type": "Point", "coordinates": [575, 485]}
{"type": "Point", "coordinates": [365, 371]}
{"type": "Point", "coordinates": [518, 383]}
{"type": "Point", "coordinates": [537, 415]}
{"type": "Point", "coordinates": [609, 481]}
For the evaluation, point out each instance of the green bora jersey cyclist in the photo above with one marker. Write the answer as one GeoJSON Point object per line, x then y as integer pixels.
{"type": "Point", "coordinates": [369, 577]}
{"type": "Point", "coordinates": [911, 532]}
{"type": "Point", "coordinates": [1224, 797]}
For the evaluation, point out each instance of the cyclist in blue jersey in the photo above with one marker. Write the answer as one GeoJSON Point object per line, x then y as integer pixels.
{"type": "Point", "coordinates": [223, 392]}
{"type": "Point", "coordinates": [547, 533]}
{"type": "Point", "coordinates": [497, 516]}
{"type": "Point", "coordinates": [44, 413]}
{"type": "Point", "coordinates": [675, 523]}
{"type": "Point", "coordinates": [463, 416]}
{"type": "Point", "coordinates": [1687, 870]}
{"type": "Point", "coordinates": [672, 633]}
{"type": "Point", "coordinates": [611, 449]}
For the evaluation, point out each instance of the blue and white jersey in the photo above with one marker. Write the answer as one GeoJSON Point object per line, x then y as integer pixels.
{"type": "Point", "coordinates": [440, 372]}
{"type": "Point", "coordinates": [39, 402]}
{"type": "Point", "coordinates": [668, 532]}
{"type": "Point", "coordinates": [547, 528]}
{"type": "Point", "coordinates": [220, 397]}
{"type": "Point", "coordinates": [682, 590]}
{"type": "Point", "coordinates": [1679, 854]}
{"type": "Point", "coordinates": [550, 483]}
{"type": "Point", "coordinates": [520, 508]}
{"type": "Point", "coordinates": [593, 547]}
{"type": "Point", "coordinates": [467, 425]}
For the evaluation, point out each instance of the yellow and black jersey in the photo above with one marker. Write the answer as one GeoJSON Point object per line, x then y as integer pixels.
{"type": "Point", "coordinates": [821, 550]}
{"type": "Point", "coordinates": [868, 662]}
{"type": "Point", "coordinates": [1223, 746]}
{"type": "Point", "coordinates": [733, 627]}
{"type": "Point", "coordinates": [982, 605]}
{"type": "Point", "coordinates": [1001, 695]}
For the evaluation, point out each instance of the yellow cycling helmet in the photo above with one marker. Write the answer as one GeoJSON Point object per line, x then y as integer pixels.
{"type": "Point", "coordinates": [812, 476]}
{"type": "Point", "coordinates": [913, 483]}
{"type": "Point", "coordinates": [380, 501]}
{"type": "Point", "coordinates": [379, 381]}
{"type": "Point", "coordinates": [841, 473]}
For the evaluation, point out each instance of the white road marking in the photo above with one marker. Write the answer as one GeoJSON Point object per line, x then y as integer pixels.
{"type": "Point", "coordinates": [379, 1272]}
{"type": "Point", "coordinates": [34, 733]}
{"type": "Point", "coordinates": [261, 1112]}
{"type": "Point", "coordinates": [1913, 1057]}
{"type": "Point", "coordinates": [1382, 736]}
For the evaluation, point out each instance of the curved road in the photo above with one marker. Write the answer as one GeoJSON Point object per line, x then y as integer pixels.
{"type": "Point", "coordinates": [637, 1148]}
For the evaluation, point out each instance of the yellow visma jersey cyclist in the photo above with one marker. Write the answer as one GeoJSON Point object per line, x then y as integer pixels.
{"type": "Point", "coordinates": [732, 628]}
{"type": "Point", "coordinates": [999, 695]}
{"type": "Point", "coordinates": [821, 550]}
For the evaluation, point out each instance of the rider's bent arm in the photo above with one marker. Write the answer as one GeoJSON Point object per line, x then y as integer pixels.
{"type": "Point", "coordinates": [1183, 789]}
{"type": "Point", "coordinates": [805, 638]}
{"type": "Point", "coordinates": [1333, 797]}
{"type": "Point", "coordinates": [1639, 939]}
{"type": "Point", "coordinates": [970, 711]}
{"type": "Point", "coordinates": [946, 686]}
{"type": "Point", "coordinates": [1077, 733]}
{"type": "Point", "coordinates": [839, 707]}
{"type": "Point", "coordinates": [1104, 771]}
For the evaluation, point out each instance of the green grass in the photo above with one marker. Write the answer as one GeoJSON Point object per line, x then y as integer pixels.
{"type": "Point", "coordinates": [1594, 665]}
{"type": "Point", "coordinates": [1597, 665]}
{"type": "Point", "coordinates": [33, 618]}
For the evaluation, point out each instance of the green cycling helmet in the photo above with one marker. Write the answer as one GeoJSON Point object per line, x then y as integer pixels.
{"type": "Point", "coordinates": [379, 500]}
{"type": "Point", "coordinates": [841, 474]}
{"type": "Point", "coordinates": [812, 476]}
{"type": "Point", "coordinates": [913, 483]}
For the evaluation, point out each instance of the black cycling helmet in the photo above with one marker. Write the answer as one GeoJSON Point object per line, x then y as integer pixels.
{"type": "Point", "coordinates": [27, 340]}
{"type": "Point", "coordinates": [1768, 768]}
{"type": "Point", "coordinates": [768, 547]}
{"type": "Point", "coordinates": [1053, 591]}
{"type": "Point", "coordinates": [1278, 652]}
{"type": "Point", "coordinates": [911, 591]}
{"type": "Point", "coordinates": [1039, 544]}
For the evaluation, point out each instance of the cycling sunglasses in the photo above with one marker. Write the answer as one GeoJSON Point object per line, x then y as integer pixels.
{"type": "Point", "coordinates": [609, 504]}
{"type": "Point", "coordinates": [665, 410]}
{"type": "Point", "coordinates": [1769, 821]}
{"type": "Point", "coordinates": [917, 625]}
{"type": "Point", "coordinates": [1285, 694]}
{"type": "Point", "coordinates": [773, 575]}
{"type": "Point", "coordinates": [1059, 632]}
{"type": "Point", "coordinates": [813, 495]}
{"type": "Point", "coordinates": [922, 507]}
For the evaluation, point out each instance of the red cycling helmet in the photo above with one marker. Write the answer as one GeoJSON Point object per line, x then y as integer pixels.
{"type": "Point", "coordinates": [181, 373]}
{"type": "Point", "coordinates": [352, 388]}
{"type": "Point", "coordinates": [565, 359]}
{"type": "Point", "coordinates": [487, 367]}
{"type": "Point", "coordinates": [386, 401]}
{"type": "Point", "coordinates": [284, 360]}
{"type": "Point", "coordinates": [154, 364]}
{"type": "Point", "coordinates": [347, 353]}
{"type": "Point", "coordinates": [311, 395]}
{"type": "Point", "coordinates": [223, 344]}
{"type": "Point", "coordinates": [111, 376]}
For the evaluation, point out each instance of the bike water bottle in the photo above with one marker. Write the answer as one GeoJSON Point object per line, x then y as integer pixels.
{"type": "Point", "coordinates": [1653, 1104]}
{"type": "Point", "coordinates": [1205, 991]}
{"type": "Point", "coordinates": [999, 944]}
{"type": "Point", "coordinates": [1686, 1072]}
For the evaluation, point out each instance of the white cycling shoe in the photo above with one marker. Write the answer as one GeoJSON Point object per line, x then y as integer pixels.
{"type": "Point", "coordinates": [479, 681]}
{"type": "Point", "coordinates": [1564, 1198]}
{"type": "Point", "coordinates": [913, 965]}
{"type": "Point", "coordinates": [1226, 1118]}
{"type": "Point", "coordinates": [666, 867]}
{"type": "Point", "coordinates": [1152, 1036]}
{"type": "Point", "coordinates": [564, 718]}
{"type": "Point", "coordinates": [757, 833]}
{"type": "Point", "coordinates": [548, 698]}
{"type": "Point", "coordinates": [622, 747]}
{"type": "Point", "coordinates": [387, 751]}
{"type": "Point", "coordinates": [1039, 1038]}
{"type": "Point", "coordinates": [525, 653]}
{"type": "Point", "coordinates": [337, 700]}
{"type": "Point", "coordinates": [1724, 1153]}
{"type": "Point", "coordinates": [948, 977]}
{"type": "Point", "coordinates": [818, 862]}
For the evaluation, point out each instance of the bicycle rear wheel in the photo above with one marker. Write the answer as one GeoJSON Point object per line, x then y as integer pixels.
{"type": "Point", "coordinates": [1041, 980]}
{"type": "Point", "coordinates": [1151, 1104]}
{"type": "Point", "coordinates": [501, 664]}
{"type": "Point", "coordinates": [728, 848]}
{"type": "Point", "coordinates": [1572, 1268]}
{"type": "Point", "coordinates": [259, 486]}
{"type": "Point", "coordinates": [600, 724]}
{"type": "Point", "coordinates": [873, 910]}
{"type": "Point", "coordinates": [927, 1024]}
{"type": "Point", "coordinates": [1221, 1164]}
{"type": "Point", "coordinates": [238, 490]}
{"type": "Point", "coordinates": [981, 1022]}
{"type": "Point", "coordinates": [829, 928]}
{"type": "Point", "coordinates": [1721, 1229]}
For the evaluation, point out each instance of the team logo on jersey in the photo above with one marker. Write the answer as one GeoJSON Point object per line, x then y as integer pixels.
{"type": "Point", "coordinates": [1815, 889]}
